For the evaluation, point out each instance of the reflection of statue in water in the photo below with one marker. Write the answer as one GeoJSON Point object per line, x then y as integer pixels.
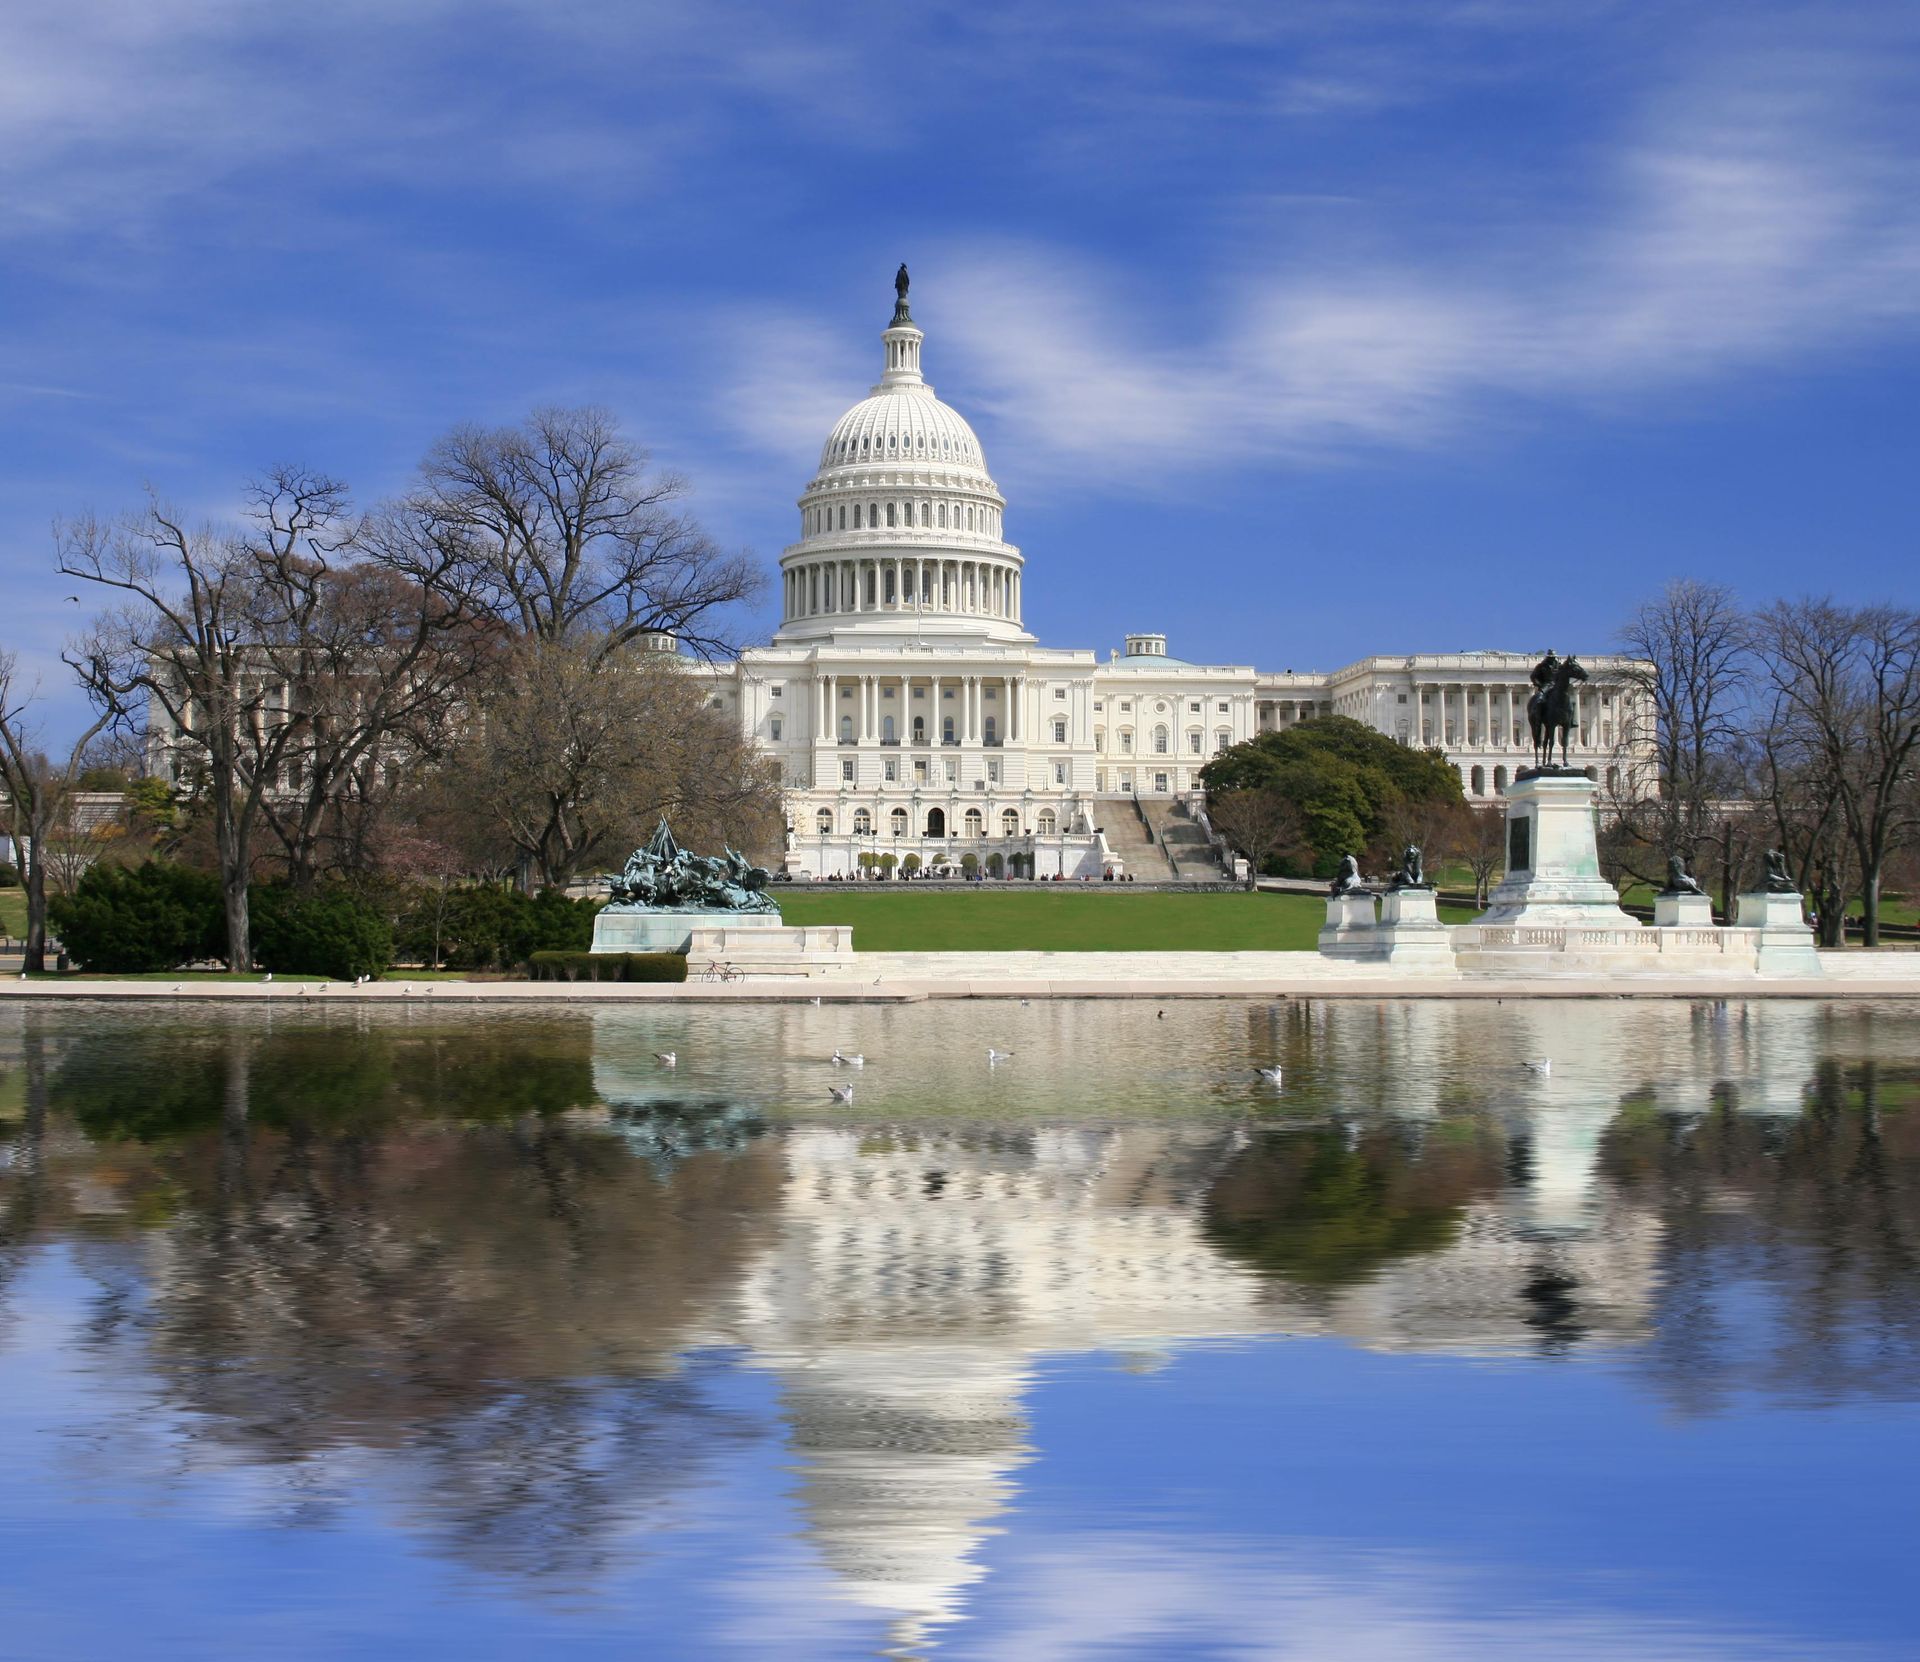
{"type": "Point", "coordinates": [1778, 879]}
{"type": "Point", "coordinates": [664, 877]}
{"type": "Point", "coordinates": [1678, 882]}
{"type": "Point", "coordinates": [1550, 709]}
{"type": "Point", "coordinates": [1412, 872]}
{"type": "Point", "coordinates": [1349, 881]}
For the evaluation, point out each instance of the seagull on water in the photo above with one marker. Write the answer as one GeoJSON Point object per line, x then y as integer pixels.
{"type": "Point", "coordinates": [1270, 1075]}
{"type": "Point", "coordinates": [667, 1058]}
{"type": "Point", "coordinates": [840, 1093]}
{"type": "Point", "coordinates": [842, 1060]}
{"type": "Point", "coordinates": [815, 1001]}
{"type": "Point", "coordinates": [1538, 1064]}
{"type": "Point", "coordinates": [996, 1055]}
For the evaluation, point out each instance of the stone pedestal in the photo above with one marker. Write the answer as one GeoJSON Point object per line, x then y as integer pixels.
{"type": "Point", "coordinates": [618, 931]}
{"type": "Point", "coordinates": [1410, 931]}
{"type": "Point", "coordinates": [1783, 939]}
{"type": "Point", "coordinates": [1553, 863]}
{"type": "Point", "coordinates": [1349, 931]}
{"type": "Point", "coordinates": [1682, 911]}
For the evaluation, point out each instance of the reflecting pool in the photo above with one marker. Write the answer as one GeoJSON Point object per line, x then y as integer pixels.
{"type": "Point", "coordinates": [488, 1334]}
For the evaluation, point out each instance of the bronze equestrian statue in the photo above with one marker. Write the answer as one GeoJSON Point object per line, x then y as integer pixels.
{"type": "Point", "coordinates": [1550, 709]}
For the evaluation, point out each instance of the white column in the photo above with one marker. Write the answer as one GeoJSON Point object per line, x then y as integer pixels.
{"type": "Point", "coordinates": [1016, 696]}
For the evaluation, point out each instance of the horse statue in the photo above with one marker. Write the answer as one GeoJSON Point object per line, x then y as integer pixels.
{"type": "Point", "coordinates": [1550, 709]}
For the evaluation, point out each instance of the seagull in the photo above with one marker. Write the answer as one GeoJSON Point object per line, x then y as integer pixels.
{"type": "Point", "coordinates": [1538, 1064]}
{"type": "Point", "coordinates": [840, 1093]}
{"type": "Point", "coordinates": [815, 1001]}
{"type": "Point", "coordinates": [856, 1060]}
{"type": "Point", "coordinates": [1026, 1003]}
{"type": "Point", "coordinates": [267, 977]}
{"type": "Point", "coordinates": [996, 1055]}
{"type": "Point", "coordinates": [1270, 1075]}
{"type": "Point", "coordinates": [667, 1058]}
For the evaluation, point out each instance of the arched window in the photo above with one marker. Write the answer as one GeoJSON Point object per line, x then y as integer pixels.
{"type": "Point", "coordinates": [1009, 823]}
{"type": "Point", "coordinates": [1613, 779]}
{"type": "Point", "coordinates": [1499, 781]}
{"type": "Point", "coordinates": [846, 729]}
{"type": "Point", "coordinates": [1478, 783]}
{"type": "Point", "coordinates": [1160, 741]}
{"type": "Point", "coordinates": [823, 821]}
{"type": "Point", "coordinates": [936, 822]}
{"type": "Point", "coordinates": [856, 516]}
{"type": "Point", "coordinates": [843, 516]}
{"type": "Point", "coordinates": [943, 516]}
{"type": "Point", "coordinates": [1099, 738]}
{"type": "Point", "coordinates": [1222, 740]}
{"type": "Point", "coordinates": [973, 823]}
{"type": "Point", "coordinates": [969, 516]}
{"type": "Point", "coordinates": [1047, 822]}
{"type": "Point", "coordinates": [890, 520]}
{"type": "Point", "coordinates": [898, 820]}
{"type": "Point", "coordinates": [886, 729]}
{"type": "Point", "coordinates": [989, 731]}
{"type": "Point", "coordinates": [926, 513]}
{"type": "Point", "coordinates": [862, 822]}
{"type": "Point", "coordinates": [919, 729]}
{"type": "Point", "coordinates": [946, 729]}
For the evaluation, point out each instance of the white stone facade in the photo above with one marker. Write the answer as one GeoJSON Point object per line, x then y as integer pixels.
{"type": "Point", "coordinates": [911, 713]}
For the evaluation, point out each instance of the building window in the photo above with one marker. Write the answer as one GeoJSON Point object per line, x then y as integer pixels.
{"type": "Point", "coordinates": [846, 729]}
{"type": "Point", "coordinates": [890, 520]}
{"type": "Point", "coordinates": [1059, 732]}
{"type": "Point", "coordinates": [1127, 706]}
{"type": "Point", "coordinates": [1059, 773]}
{"type": "Point", "coordinates": [846, 771]}
{"type": "Point", "coordinates": [1099, 738]}
{"type": "Point", "coordinates": [946, 730]}
{"type": "Point", "coordinates": [1193, 708]}
{"type": "Point", "coordinates": [773, 727]}
{"type": "Point", "coordinates": [1060, 693]}
{"type": "Point", "coordinates": [993, 770]}
{"type": "Point", "coordinates": [1160, 783]}
{"type": "Point", "coordinates": [1161, 740]}
{"type": "Point", "coordinates": [862, 822]}
{"type": "Point", "coordinates": [1009, 824]}
{"type": "Point", "coordinates": [898, 820]}
{"type": "Point", "coordinates": [1221, 707]}
{"type": "Point", "coordinates": [892, 771]}
{"type": "Point", "coordinates": [1222, 740]}
{"type": "Point", "coordinates": [1195, 741]}
{"type": "Point", "coordinates": [974, 825]}
{"type": "Point", "coordinates": [1047, 822]}
{"type": "Point", "coordinates": [774, 692]}
{"type": "Point", "coordinates": [823, 821]}
{"type": "Point", "coordinates": [1126, 741]}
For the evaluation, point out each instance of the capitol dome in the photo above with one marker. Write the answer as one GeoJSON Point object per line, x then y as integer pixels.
{"type": "Point", "coordinates": [901, 524]}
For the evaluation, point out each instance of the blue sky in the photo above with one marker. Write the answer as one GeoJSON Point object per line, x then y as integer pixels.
{"type": "Point", "coordinates": [1297, 330]}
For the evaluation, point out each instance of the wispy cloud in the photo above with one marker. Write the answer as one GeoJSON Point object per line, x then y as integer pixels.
{"type": "Point", "coordinates": [1740, 220]}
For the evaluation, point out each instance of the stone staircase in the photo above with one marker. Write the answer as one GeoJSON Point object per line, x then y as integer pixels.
{"type": "Point", "coordinates": [1183, 843]}
{"type": "Point", "coordinates": [1127, 838]}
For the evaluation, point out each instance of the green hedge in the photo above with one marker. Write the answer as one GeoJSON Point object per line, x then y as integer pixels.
{"type": "Point", "coordinates": [490, 926]}
{"type": "Point", "coordinates": [325, 931]}
{"type": "Point", "coordinates": [133, 920]}
{"type": "Point", "coordinates": [608, 966]}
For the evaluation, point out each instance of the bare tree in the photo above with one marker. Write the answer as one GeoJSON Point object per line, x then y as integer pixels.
{"type": "Point", "coordinates": [199, 634]}
{"type": "Point", "coordinates": [40, 790]}
{"type": "Point", "coordinates": [1476, 836]}
{"type": "Point", "coordinates": [1692, 646]}
{"type": "Point", "coordinates": [569, 536]}
{"type": "Point", "coordinates": [575, 751]}
{"type": "Point", "coordinates": [1842, 729]}
{"type": "Point", "coordinates": [1260, 823]}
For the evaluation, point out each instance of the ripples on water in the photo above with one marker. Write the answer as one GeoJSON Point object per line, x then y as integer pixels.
{"type": "Point", "coordinates": [480, 1333]}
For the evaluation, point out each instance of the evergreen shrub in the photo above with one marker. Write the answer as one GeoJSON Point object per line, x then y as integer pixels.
{"type": "Point", "coordinates": [327, 931]}
{"type": "Point", "coordinates": [133, 920]}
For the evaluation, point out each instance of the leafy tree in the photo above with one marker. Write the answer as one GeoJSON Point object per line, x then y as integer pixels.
{"type": "Point", "coordinates": [1345, 779]}
{"type": "Point", "coordinates": [139, 919]}
{"type": "Point", "coordinates": [489, 925]}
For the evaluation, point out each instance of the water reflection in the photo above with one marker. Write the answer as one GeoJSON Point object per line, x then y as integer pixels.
{"type": "Point", "coordinates": [498, 1261]}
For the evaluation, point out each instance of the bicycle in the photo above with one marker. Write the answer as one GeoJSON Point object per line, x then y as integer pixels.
{"type": "Point", "coordinates": [717, 971]}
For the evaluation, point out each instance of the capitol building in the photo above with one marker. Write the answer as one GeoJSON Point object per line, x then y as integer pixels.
{"type": "Point", "coordinates": [912, 714]}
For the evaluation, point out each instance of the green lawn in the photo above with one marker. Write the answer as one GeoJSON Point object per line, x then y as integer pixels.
{"type": "Point", "coordinates": [1065, 919]}
{"type": "Point", "coordinates": [13, 913]}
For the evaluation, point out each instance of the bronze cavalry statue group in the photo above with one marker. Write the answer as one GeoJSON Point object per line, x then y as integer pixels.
{"type": "Point", "coordinates": [664, 877]}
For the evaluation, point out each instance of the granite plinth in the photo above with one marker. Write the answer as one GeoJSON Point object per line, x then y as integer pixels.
{"type": "Point", "coordinates": [1682, 911]}
{"type": "Point", "coordinates": [618, 931]}
{"type": "Point", "coordinates": [1349, 930]}
{"type": "Point", "coordinates": [1783, 937]}
{"type": "Point", "coordinates": [1410, 932]}
{"type": "Point", "coordinates": [1553, 875]}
